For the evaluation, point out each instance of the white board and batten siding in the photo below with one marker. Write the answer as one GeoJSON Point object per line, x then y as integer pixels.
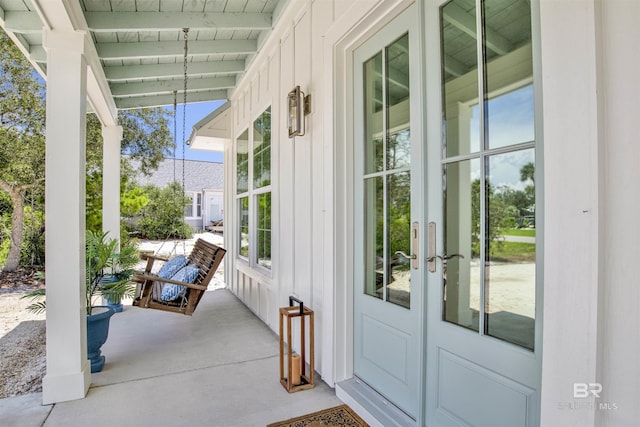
{"type": "Point", "coordinates": [292, 55]}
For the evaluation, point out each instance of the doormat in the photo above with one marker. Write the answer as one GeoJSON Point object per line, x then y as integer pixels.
{"type": "Point", "coordinates": [333, 417]}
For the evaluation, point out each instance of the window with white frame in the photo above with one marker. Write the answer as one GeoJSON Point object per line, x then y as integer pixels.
{"type": "Point", "coordinates": [253, 192]}
{"type": "Point", "coordinates": [194, 209]}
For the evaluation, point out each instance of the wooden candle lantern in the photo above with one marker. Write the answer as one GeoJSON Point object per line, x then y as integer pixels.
{"type": "Point", "coordinates": [296, 378]}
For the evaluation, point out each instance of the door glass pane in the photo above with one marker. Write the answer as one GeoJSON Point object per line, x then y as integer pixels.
{"type": "Point", "coordinates": [373, 119]}
{"type": "Point", "coordinates": [399, 219]}
{"type": "Point", "coordinates": [510, 272]}
{"type": "Point", "coordinates": [263, 238]}
{"type": "Point", "coordinates": [242, 163]}
{"type": "Point", "coordinates": [397, 83]}
{"type": "Point", "coordinates": [374, 259]}
{"type": "Point", "coordinates": [460, 77]}
{"type": "Point", "coordinates": [508, 64]}
{"type": "Point", "coordinates": [244, 226]}
{"type": "Point", "coordinates": [461, 272]}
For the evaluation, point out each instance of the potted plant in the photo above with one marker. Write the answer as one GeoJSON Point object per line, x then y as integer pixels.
{"type": "Point", "coordinates": [109, 273]}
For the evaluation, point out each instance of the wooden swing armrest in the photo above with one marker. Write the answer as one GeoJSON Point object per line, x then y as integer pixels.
{"type": "Point", "coordinates": [146, 257]}
{"type": "Point", "coordinates": [154, 278]}
{"type": "Point", "coordinates": [150, 260]}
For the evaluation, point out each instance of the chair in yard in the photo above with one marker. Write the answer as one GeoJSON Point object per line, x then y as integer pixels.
{"type": "Point", "coordinates": [180, 283]}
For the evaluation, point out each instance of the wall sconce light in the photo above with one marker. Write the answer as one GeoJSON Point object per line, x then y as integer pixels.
{"type": "Point", "coordinates": [299, 106]}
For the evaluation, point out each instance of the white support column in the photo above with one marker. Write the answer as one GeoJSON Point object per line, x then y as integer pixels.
{"type": "Point", "coordinates": [68, 370]}
{"type": "Point", "coordinates": [112, 136]}
{"type": "Point", "coordinates": [573, 236]}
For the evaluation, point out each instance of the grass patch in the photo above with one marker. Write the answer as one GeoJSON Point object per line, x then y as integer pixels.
{"type": "Point", "coordinates": [513, 252]}
{"type": "Point", "coordinates": [527, 232]}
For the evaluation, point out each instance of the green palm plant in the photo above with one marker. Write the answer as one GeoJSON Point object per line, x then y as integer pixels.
{"type": "Point", "coordinates": [109, 272]}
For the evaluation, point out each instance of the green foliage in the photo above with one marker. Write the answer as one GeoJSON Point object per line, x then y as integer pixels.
{"type": "Point", "coordinates": [22, 118]}
{"type": "Point", "coordinates": [22, 152]}
{"type": "Point", "coordinates": [163, 215]}
{"type": "Point", "coordinates": [38, 303]}
{"type": "Point", "coordinates": [528, 232]}
{"type": "Point", "coordinates": [506, 207]}
{"type": "Point", "coordinates": [103, 259]}
{"type": "Point", "coordinates": [512, 251]}
{"type": "Point", "coordinates": [146, 138]}
{"type": "Point", "coordinates": [6, 208]}
{"type": "Point", "coordinates": [32, 252]}
{"type": "Point", "coordinates": [4, 250]}
{"type": "Point", "coordinates": [22, 105]}
{"type": "Point", "coordinates": [132, 201]}
{"type": "Point", "coordinates": [263, 241]}
{"type": "Point", "coordinates": [108, 271]}
{"type": "Point", "coordinates": [528, 172]}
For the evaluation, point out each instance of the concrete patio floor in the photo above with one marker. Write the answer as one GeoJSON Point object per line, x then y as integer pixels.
{"type": "Point", "coordinates": [216, 368]}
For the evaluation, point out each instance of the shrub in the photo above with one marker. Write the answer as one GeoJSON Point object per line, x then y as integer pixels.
{"type": "Point", "coordinates": [163, 215]}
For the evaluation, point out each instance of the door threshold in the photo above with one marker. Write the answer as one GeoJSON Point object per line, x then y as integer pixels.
{"type": "Point", "coordinates": [371, 406]}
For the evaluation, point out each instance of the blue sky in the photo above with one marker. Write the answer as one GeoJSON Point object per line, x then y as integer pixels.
{"type": "Point", "coordinates": [195, 112]}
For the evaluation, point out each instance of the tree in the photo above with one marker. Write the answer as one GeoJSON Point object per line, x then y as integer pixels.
{"type": "Point", "coordinates": [146, 137]}
{"type": "Point", "coordinates": [22, 149]}
{"type": "Point", "coordinates": [163, 216]}
{"type": "Point", "coordinates": [527, 172]}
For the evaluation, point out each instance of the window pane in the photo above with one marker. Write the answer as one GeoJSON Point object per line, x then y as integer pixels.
{"type": "Point", "coordinates": [374, 236]}
{"type": "Point", "coordinates": [188, 207]}
{"type": "Point", "coordinates": [399, 219]}
{"type": "Point", "coordinates": [242, 163]}
{"type": "Point", "coordinates": [262, 150]}
{"type": "Point", "coordinates": [243, 210]}
{"type": "Point", "coordinates": [373, 119]}
{"type": "Point", "coordinates": [199, 205]}
{"type": "Point", "coordinates": [508, 63]}
{"type": "Point", "coordinates": [459, 79]}
{"type": "Point", "coordinates": [461, 272]}
{"type": "Point", "coordinates": [510, 278]}
{"type": "Point", "coordinates": [263, 240]}
{"type": "Point", "coordinates": [397, 107]}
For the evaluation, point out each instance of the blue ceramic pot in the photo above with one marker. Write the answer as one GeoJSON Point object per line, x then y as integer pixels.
{"type": "Point", "coordinates": [97, 332]}
{"type": "Point", "coordinates": [116, 305]}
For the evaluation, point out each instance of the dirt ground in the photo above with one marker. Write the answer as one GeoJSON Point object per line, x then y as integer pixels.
{"type": "Point", "coordinates": [22, 336]}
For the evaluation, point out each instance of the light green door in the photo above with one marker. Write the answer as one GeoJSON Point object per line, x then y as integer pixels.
{"type": "Point", "coordinates": [483, 281]}
{"type": "Point", "coordinates": [387, 148]}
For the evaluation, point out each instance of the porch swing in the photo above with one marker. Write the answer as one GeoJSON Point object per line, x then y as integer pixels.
{"type": "Point", "coordinates": [181, 282]}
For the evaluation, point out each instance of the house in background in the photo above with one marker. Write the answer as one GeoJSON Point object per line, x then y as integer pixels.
{"type": "Point", "coordinates": [385, 215]}
{"type": "Point", "coordinates": [203, 183]}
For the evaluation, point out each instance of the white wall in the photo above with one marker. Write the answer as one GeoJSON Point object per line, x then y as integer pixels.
{"type": "Point", "coordinates": [293, 55]}
{"type": "Point", "coordinates": [591, 297]}
{"type": "Point", "coordinates": [619, 57]}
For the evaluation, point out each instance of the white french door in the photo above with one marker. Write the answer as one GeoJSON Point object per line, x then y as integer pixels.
{"type": "Point", "coordinates": [483, 324]}
{"type": "Point", "coordinates": [388, 271]}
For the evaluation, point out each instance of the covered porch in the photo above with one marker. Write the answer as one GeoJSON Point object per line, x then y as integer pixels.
{"type": "Point", "coordinates": [216, 368]}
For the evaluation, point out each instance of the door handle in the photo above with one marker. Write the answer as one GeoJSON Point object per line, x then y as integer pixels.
{"type": "Point", "coordinates": [414, 247]}
{"type": "Point", "coordinates": [432, 256]}
{"type": "Point", "coordinates": [404, 255]}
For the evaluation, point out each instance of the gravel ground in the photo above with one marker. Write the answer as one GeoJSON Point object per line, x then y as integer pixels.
{"type": "Point", "coordinates": [22, 337]}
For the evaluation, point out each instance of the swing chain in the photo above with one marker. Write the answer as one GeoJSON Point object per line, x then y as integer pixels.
{"type": "Point", "coordinates": [184, 121]}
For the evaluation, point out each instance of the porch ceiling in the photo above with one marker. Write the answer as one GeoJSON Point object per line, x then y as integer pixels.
{"type": "Point", "coordinates": [139, 47]}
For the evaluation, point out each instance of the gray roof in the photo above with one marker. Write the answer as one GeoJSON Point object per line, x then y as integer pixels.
{"type": "Point", "coordinates": [199, 175]}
